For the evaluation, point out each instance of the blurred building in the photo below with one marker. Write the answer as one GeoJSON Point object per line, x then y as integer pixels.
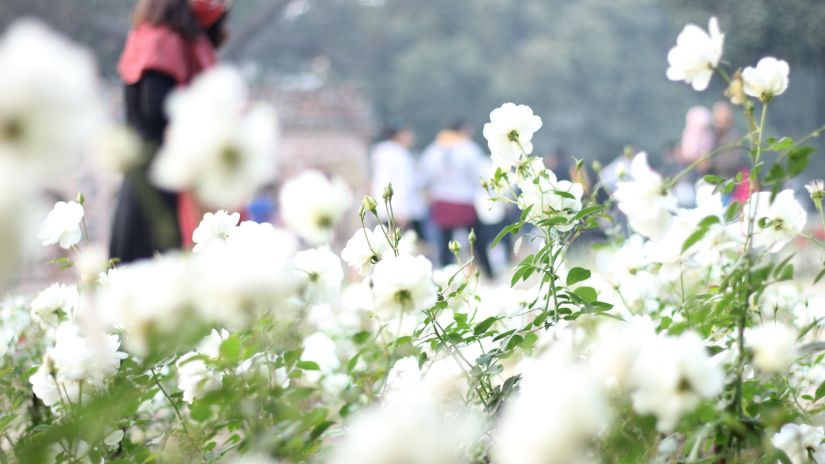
{"type": "Point", "coordinates": [327, 128]}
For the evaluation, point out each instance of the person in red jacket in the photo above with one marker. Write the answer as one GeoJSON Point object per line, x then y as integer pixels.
{"type": "Point", "coordinates": [170, 43]}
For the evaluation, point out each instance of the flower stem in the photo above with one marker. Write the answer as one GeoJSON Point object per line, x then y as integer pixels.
{"type": "Point", "coordinates": [175, 407]}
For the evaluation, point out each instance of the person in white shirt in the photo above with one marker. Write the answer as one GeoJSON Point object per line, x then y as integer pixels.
{"type": "Point", "coordinates": [452, 168]}
{"type": "Point", "coordinates": [392, 162]}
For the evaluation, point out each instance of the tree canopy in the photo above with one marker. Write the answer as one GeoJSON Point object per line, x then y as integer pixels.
{"type": "Point", "coordinates": [593, 69]}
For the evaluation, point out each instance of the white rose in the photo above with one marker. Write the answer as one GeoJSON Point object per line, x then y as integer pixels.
{"type": "Point", "coordinates": [403, 284]}
{"type": "Point", "coordinates": [312, 204]}
{"type": "Point", "coordinates": [784, 219]}
{"type": "Point", "coordinates": [62, 225]}
{"type": "Point", "coordinates": [510, 132]}
{"type": "Point", "coordinates": [767, 80]}
{"type": "Point", "coordinates": [773, 345]}
{"type": "Point", "coordinates": [214, 227]}
{"type": "Point", "coordinates": [696, 55]}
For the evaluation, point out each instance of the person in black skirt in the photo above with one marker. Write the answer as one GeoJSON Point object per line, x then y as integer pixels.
{"type": "Point", "coordinates": [171, 42]}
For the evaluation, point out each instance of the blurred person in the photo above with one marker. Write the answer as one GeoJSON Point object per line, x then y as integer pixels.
{"type": "Point", "coordinates": [171, 42]}
{"type": "Point", "coordinates": [392, 162]}
{"type": "Point", "coordinates": [697, 137]}
{"type": "Point", "coordinates": [696, 144]}
{"type": "Point", "coordinates": [728, 162]}
{"type": "Point", "coordinates": [452, 167]}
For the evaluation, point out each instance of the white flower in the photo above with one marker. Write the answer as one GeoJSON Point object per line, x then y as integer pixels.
{"type": "Point", "coordinates": [90, 359]}
{"type": "Point", "coordinates": [311, 205]}
{"type": "Point", "coordinates": [320, 275]}
{"type": "Point", "coordinates": [616, 346]}
{"type": "Point", "coordinates": [767, 80]}
{"type": "Point", "coordinates": [365, 248]}
{"type": "Point", "coordinates": [816, 188]}
{"type": "Point", "coordinates": [14, 320]}
{"type": "Point", "coordinates": [62, 225]}
{"type": "Point", "coordinates": [214, 227]}
{"type": "Point", "coordinates": [644, 200]}
{"type": "Point", "coordinates": [404, 375]}
{"type": "Point", "coordinates": [551, 421]}
{"type": "Point", "coordinates": [46, 387]}
{"type": "Point", "coordinates": [403, 284]}
{"type": "Point", "coordinates": [49, 99]}
{"type": "Point", "coordinates": [216, 144]}
{"type": "Point", "coordinates": [782, 219]}
{"type": "Point", "coordinates": [262, 364]}
{"type": "Point", "coordinates": [75, 360]}
{"type": "Point", "coordinates": [55, 303]}
{"type": "Point", "coordinates": [90, 262]}
{"type": "Point", "coordinates": [696, 55]}
{"type": "Point", "coordinates": [147, 299]}
{"type": "Point", "coordinates": [799, 441]}
{"type": "Point", "coordinates": [670, 377]}
{"type": "Point", "coordinates": [250, 274]}
{"type": "Point", "coordinates": [412, 429]}
{"type": "Point", "coordinates": [113, 439]}
{"type": "Point", "coordinates": [773, 345]}
{"type": "Point", "coordinates": [550, 197]}
{"type": "Point", "coordinates": [509, 133]}
{"type": "Point", "coordinates": [195, 378]}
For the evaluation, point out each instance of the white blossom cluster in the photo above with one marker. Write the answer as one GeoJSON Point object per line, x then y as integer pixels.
{"type": "Point", "coordinates": [388, 360]}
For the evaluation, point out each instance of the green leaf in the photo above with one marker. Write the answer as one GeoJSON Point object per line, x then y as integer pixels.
{"type": "Point", "coordinates": [693, 238]}
{"type": "Point", "coordinates": [400, 341]}
{"type": "Point", "coordinates": [588, 211]}
{"type": "Point", "coordinates": [484, 325]}
{"type": "Point", "coordinates": [320, 429]}
{"type": "Point", "coordinates": [511, 229]}
{"type": "Point", "coordinates": [727, 186]}
{"type": "Point", "coordinates": [819, 276]}
{"type": "Point", "coordinates": [576, 275]}
{"type": "Point", "coordinates": [775, 174]}
{"type": "Point", "coordinates": [733, 211]}
{"type": "Point", "coordinates": [361, 337]}
{"type": "Point", "coordinates": [820, 391]}
{"type": "Point", "coordinates": [782, 144]}
{"type": "Point", "coordinates": [798, 160]}
{"type": "Point", "coordinates": [588, 294]}
{"type": "Point", "coordinates": [231, 349]}
{"type": "Point", "coordinates": [353, 362]}
{"type": "Point", "coordinates": [713, 180]}
{"type": "Point", "coordinates": [779, 267]}
{"type": "Point", "coordinates": [308, 365]}
{"type": "Point", "coordinates": [514, 341]}
{"type": "Point", "coordinates": [504, 335]}
{"type": "Point", "coordinates": [200, 411]}
{"type": "Point", "coordinates": [422, 358]}
{"type": "Point", "coordinates": [709, 221]}
{"type": "Point", "coordinates": [5, 421]}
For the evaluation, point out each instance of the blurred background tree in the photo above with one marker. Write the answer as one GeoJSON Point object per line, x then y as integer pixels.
{"type": "Point", "coordinates": [593, 69]}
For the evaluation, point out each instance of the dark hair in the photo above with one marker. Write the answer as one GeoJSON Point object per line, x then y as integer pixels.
{"type": "Point", "coordinates": [458, 125]}
{"type": "Point", "coordinates": [176, 14]}
{"type": "Point", "coordinates": [217, 32]}
{"type": "Point", "coordinates": [391, 131]}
